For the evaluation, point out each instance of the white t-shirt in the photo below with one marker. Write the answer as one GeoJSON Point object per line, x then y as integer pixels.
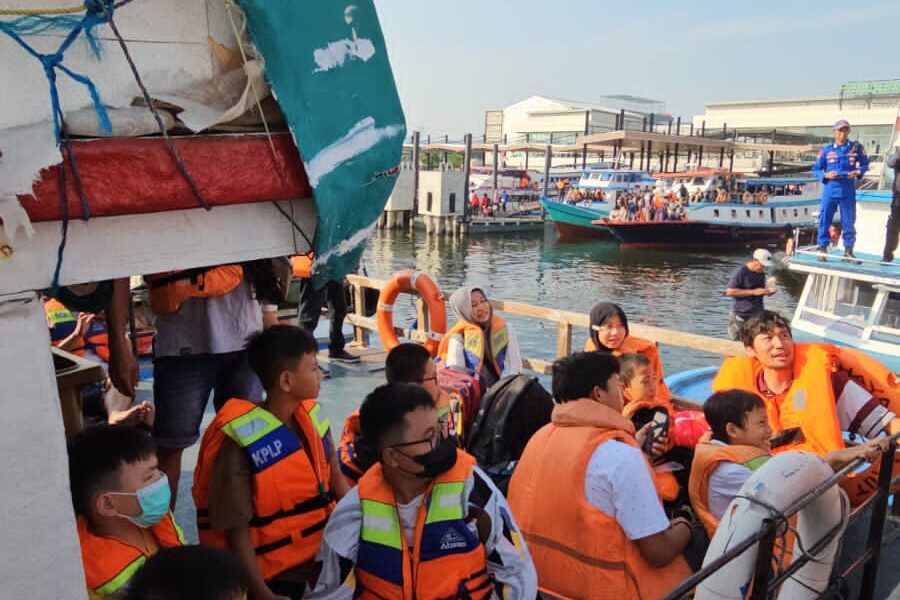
{"type": "Point", "coordinates": [408, 513]}
{"type": "Point", "coordinates": [725, 482]}
{"type": "Point", "coordinates": [209, 325]}
{"type": "Point", "coordinates": [618, 483]}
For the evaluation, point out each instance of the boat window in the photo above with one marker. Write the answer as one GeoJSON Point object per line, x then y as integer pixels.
{"type": "Point", "coordinates": [854, 299]}
{"type": "Point", "coordinates": [698, 181]}
{"type": "Point", "coordinates": [452, 202]}
{"type": "Point", "coordinates": [890, 316]}
{"type": "Point", "coordinates": [796, 214]}
{"type": "Point", "coordinates": [716, 212]}
{"type": "Point", "coordinates": [734, 214]}
{"type": "Point", "coordinates": [761, 215]}
{"type": "Point", "coordinates": [748, 214]}
{"type": "Point", "coordinates": [428, 202]}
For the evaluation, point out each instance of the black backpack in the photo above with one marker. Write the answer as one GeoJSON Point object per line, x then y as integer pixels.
{"type": "Point", "coordinates": [511, 411]}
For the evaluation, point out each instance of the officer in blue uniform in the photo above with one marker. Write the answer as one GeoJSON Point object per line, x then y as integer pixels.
{"type": "Point", "coordinates": [838, 166]}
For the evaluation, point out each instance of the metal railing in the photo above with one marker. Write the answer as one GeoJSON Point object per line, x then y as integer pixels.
{"type": "Point", "coordinates": [768, 534]}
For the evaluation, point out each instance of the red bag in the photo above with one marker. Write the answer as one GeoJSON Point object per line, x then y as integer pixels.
{"type": "Point", "coordinates": [467, 387]}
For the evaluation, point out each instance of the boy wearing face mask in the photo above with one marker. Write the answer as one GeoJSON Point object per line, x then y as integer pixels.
{"type": "Point", "coordinates": [424, 522]}
{"type": "Point", "coordinates": [267, 475]}
{"type": "Point", "coordinates": [121, 499]}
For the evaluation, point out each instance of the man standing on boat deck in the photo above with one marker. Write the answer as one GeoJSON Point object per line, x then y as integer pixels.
{"type": "Point", "coordinates": [747, 285]}
{"type": "Point", "coordinates": [838, 166]}
{"type": "Point", "coordinates": [893, 224]}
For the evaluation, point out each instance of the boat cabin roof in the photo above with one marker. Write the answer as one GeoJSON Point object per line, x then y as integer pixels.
{"type": "Point", "coordinates": [870, 269]}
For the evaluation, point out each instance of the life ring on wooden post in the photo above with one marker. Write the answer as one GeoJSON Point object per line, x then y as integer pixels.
{"type": "Point", "coordinates": [418, 283]}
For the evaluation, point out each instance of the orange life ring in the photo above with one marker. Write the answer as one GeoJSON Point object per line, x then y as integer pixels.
{"type": "Point", "coordinates": [418, 283]}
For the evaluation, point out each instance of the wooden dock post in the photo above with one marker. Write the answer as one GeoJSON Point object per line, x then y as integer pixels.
{"type": "Point", "coordinates": [548, 159]}
{"type": "Point", "coordinates": [467, 170]}
{"type": "Point", "coordinates": [563, 339]}
{"type": "Point", "coordinates": [496, 171]}
{"type": "Point", "coordinates": [416, 139]}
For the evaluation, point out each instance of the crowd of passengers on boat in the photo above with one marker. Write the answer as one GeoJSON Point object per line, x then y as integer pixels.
{"type": "Point", "coordinates": [446, 482]}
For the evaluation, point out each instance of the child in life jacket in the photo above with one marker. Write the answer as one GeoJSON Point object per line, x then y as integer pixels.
{"type": "Point", "coordinates": [647, 405]}
{"type": "Point", "coordinates": [741, 443]}
{"type": "Point", "coordinates": [268, 471]}
{"type": "Point", "coordinates": [121, 500]}
{"type": "Point", "coordinates": [195, 572]}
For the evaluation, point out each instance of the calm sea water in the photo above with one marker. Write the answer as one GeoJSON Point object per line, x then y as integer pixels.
{"type": "Point", "coordinates": [676, 290]}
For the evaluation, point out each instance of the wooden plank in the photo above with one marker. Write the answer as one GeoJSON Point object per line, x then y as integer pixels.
{"type": "Point", "coordinates": [110, 247]}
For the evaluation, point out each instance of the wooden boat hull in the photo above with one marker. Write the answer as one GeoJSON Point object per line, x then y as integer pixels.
{"type": "Point", "coordinates": [575, 222]}
{"type": "Point", "coordinates": [691, 234]}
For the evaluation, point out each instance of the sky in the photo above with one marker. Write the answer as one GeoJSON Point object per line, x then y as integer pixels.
{"type": "Point", "coordinates": [454, 60]}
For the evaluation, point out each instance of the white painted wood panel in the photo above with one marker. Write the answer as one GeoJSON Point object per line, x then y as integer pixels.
{"type": "Point", "coordinates": [39, 550]}
{"type": "Point", "coordinates": [109, 247]}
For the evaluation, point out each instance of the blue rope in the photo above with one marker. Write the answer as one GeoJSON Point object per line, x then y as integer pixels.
{"type": "Point", "coordinates": [17, 29]}
{"type": "Point", "coordinates": [98, 13]}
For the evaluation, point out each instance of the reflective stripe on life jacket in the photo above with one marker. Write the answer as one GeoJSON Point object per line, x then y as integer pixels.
{"type": "Point", "coordinates": [637, 345]}
{"type": "Point", "coordinates": [473, 344]}
{"type": "Point", "coordinates": [808, 404]}
{"type": "Point", "coordinates": [706, 458]}
{"type": "Point", "coordinates": [574, 545]}
{"type": "Point", "coordinates": [109, 564]}
{"type": "Point", "coordinates": [62, 323]}
{"type": "Point", "coordinates": [291, 495]}
{"type": "Point", "coordinates": [445, 560]}
{"type": "Point", "coordinates": [355, 461]}
{"type": "Point", "coordinates": [168, 291]}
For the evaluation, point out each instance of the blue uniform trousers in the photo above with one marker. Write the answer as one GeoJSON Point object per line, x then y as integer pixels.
{"type": "Point", "coordinates": [838, 193]}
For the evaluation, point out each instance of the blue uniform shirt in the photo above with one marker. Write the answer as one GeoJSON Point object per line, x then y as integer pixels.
{"type": "Point", "coordinates": [843, 159]}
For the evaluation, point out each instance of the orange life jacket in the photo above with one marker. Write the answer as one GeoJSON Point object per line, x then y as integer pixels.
{"type": "Point", "coordinates": [576, 548]}
{"type": "Point", "coordinates": [666, 484]}
{"type": "Point", "coordinates": [109, 564]}
{"type": "Point", "coordinates": [168, 291]}
{"type": "Point", "coordinates": [637, 345]}
{"type": "Point", "coordinates": [808, 404]}
{"type": "Point", "coordinates": [291, 495]}
{"type": "Point", "coordinates": [57, 316]}
{"type": "Point", "coordinates": [352, 464]}
{"type": "Point", "coordinates": [706, 458]}
{"type": "Point", "coordinates": [473, 343]}
{"type": "Point", "coordinates": [301, 265]}
{"type": "Point", "coordinates": [446, 560]}
{"type": "Point", "coordinates": [97, 341]}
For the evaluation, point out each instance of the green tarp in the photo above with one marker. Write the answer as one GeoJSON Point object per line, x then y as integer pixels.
{"type": "Point", "coordinates": [328, 67]}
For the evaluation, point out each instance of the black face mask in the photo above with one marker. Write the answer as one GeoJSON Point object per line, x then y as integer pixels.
{"type": "Point", "coordinates": [438, 461]}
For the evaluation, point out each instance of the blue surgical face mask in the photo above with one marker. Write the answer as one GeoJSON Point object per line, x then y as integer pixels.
{"type": "Point", "coordinates": [154, 500]}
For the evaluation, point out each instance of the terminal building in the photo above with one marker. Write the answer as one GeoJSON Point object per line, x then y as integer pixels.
{"type": "Point", "coordinates": [871, 107]}
{"type": "Point", "coordinates": [544, 120]}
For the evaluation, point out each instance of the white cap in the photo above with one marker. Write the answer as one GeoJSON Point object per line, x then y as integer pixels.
{"type": "Point", "coordinates": [763, 256]}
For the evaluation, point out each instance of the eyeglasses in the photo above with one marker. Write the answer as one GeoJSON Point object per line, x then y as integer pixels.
{"type": "Point", "coordinates": [424, 379]}
{"type": "Point", "coordinates": [440, 433]}
{"type": "Point", "coordinates": [432, 441]}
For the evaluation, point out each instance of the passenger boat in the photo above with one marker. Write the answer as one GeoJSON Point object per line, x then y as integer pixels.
{"type": "Point", "coordinates": [732, 223]}
{"type": "Point", "coordinates": [613, 180]}
{"type": "Point", "coordinates": [577, 221]}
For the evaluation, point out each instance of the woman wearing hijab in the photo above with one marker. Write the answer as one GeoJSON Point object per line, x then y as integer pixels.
{"type": "Point", "coordinates": [480, 341]}
{"type": "Point", "coordinates": [609, 333]}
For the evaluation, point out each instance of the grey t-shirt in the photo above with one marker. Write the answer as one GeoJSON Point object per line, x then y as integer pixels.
{"type": "Point", "coordinates": [209, 325]}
